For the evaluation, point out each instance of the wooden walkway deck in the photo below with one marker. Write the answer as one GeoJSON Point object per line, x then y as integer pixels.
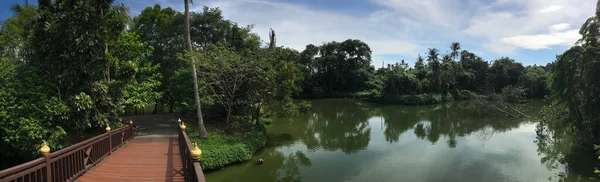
{"type": "Point", "coordinates": [141, 159]}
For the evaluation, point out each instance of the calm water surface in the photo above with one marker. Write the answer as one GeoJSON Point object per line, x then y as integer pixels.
{"type": "Point", "coordinates": [347, 140]}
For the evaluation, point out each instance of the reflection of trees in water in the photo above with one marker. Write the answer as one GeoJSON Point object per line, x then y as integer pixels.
{"type": "Point", "coordinates": [447, 120]}
{"type": "Point", "coordinates": [288, 166]}
{"type": "Point", "coordinates": [343, 126]}
{"type": "Point", "coordinates": [557, 150]}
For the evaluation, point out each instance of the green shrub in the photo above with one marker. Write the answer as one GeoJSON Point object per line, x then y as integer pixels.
{"type": "Point", "coordinates": [448, 97]}
{"type": "Point", "coordinates": [369, 95]}
{"type": "Point", "coordinates": [221, 149]}
{"type": "Point", "coordinates": [421, 99]}
{"type": "Point", "coordinates": [304, 106]}
{"type": "Point", "coordinates": [513, 94]}
{"type": "Point", "coordinates": [266, 120]}
{"type": "Point", "coordinates": [464, 95]}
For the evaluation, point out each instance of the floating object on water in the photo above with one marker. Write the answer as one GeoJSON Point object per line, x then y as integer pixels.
{"type": "Point", "coordinates": [260, 161]}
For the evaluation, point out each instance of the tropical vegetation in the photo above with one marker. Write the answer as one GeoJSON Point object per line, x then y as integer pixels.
{"type": "Point", "coordinates": [68, 67]}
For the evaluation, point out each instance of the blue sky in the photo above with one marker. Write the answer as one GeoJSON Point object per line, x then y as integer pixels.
{"type": "Point", "coordinates": [529, 31]}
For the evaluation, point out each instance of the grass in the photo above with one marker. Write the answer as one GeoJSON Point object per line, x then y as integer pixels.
{"type": "Point", "coordinates": [221, 148]}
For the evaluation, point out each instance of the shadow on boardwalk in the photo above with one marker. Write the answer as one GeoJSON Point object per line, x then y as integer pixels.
{"type": "Point", "coordinates": [157, 125]}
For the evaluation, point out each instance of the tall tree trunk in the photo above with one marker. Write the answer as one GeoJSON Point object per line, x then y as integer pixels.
{"type": "Point", "coordinates": [257, 114]}
{"type": "Point", "coordinates": [227, 119]}
{"type": "Point", "coordinates": [201, 127]}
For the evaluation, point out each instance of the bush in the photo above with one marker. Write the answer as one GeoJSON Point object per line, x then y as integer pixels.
{"type": "Point", "coordinates": [266, 120]}
{"type": "Point", "coordinates": [465, 95]}
{"type": "Point", "coordinates": [513, 94]}
{"type": "Point", "coordinates": [421, 99]}
{"type": "Point", "coordinates": [448, 97]}
{"type": "Point", "coordinates": [221, 149]}
{"type": "Point", "coordinates": [304, 106]}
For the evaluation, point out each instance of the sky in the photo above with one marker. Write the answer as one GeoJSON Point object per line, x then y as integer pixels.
{"type": "Point", "coordinates": [529, 31]}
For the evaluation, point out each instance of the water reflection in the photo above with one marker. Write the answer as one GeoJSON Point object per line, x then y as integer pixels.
{"type": "Point", "coordinates": [346, 140]}
{"type": "Point", "coordinates": [555, 146]}
{"type": "Point", "coordinates": [343, 127]}
{"type": "Point", "coordinates": [447, 121]}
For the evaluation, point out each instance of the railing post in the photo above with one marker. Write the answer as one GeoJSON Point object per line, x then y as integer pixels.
{"type": "Point", "coordinates": [48, 169]}
{"type": "Point", "coordinates": [109, 141]}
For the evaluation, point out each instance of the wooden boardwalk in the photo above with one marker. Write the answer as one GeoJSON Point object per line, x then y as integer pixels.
{"type": "Point", "coordinates": [153, 155]}
{"type": "Point", "coordinates": [142, 159]}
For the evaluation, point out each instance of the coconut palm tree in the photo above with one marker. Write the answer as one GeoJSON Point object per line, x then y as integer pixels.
{"type": "Point", "coordinates": [455, 47]}
{"type": "Point", "coordinates": [433, 54]}
{"type": "Point", "coordinates": [201, 127]}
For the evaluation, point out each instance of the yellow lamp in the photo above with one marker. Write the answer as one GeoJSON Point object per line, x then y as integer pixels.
{"type": "Point", "coordinates": [196, 152]}
{"type": "Point", "coordinates": [182, 126]}
{"type": "Point", "coordinates": [107, 128]}
{"type": "Point", "coordinates": [45, 149]}
{"type": "Point", "coordinates": [130, 122]}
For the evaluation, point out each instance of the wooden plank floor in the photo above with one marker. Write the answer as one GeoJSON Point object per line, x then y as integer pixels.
{"type": "Point", "coordinates": [141, 159]}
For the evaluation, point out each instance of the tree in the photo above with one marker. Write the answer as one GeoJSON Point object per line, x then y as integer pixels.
{"type": "Point", "coordinates": [535, 81]}
{"type": "Point", "coordinates": [455, 47]}
{"type": "Point", "coordinates": [272, 39]}
{"type": "Point", "coordinates": [341, 67]}
{"type": "Point", "coordinates": [163, 29]}
{"type": "Point", "coordinates": [505, 72]}
{"type": "Point", "coordinates": [201, 127]}
{"type": "Point", "coordinates": [436, 69]}
{"type": "Point", "coordinates": [60, 56]}
{"type": "Point", "coordinates": [433, 55]}
{"type": "Point", "coordinates": [210, 27]}
{"type": "Point", "coordinates": [228, 76]}
{"type": "Point", "coordinates": [130, 61]}
{"type": "Point", "coordinates": [474, 75]}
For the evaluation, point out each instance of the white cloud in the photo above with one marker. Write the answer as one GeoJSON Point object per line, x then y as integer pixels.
{"type": "Point", "coordinates": [559, 27]}
{"type": "Point", "coordinates": [408, 27]}
{"type": "Point", "coordinates": [550, 9]}
{"type": "Point", "coordinates": [500, 48]}
{"type": "Point", "coordinates": [543, 41]}
{"type": "Point", "coordinates": [297, 25]}
{"type": "Point", "coordinates": [535, 26]}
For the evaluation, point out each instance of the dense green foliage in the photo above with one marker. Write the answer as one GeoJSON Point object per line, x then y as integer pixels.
{"type": "Point", "coordinates": [56, 84]}
{"type": "Point", "coordinates": [574, 91]}
{"type": "Point", "coordinates": [344, 69]}
{"type": "Point", "coordinates": [74, 66]}
{"type": "Point", "coordinates": [221, 149]}
{"type": "Point", "coordinates": [575, 86]}
{"type": "Point", "coordinates": [67, 82]}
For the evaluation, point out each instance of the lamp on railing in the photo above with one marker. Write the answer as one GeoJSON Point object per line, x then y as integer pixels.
{"type": "Point", "coordinates": [179, 121]}
{"type": "Point", "coordinates": [107, 128]}
{"type": "Point", "coordinates": [45, 149]}
{"type": "Point", "coordinates": [182, 126]}
{"type": "Point", "coordinates": [196, 152]}
{"type": "Point", "coordinates": [130, 122]}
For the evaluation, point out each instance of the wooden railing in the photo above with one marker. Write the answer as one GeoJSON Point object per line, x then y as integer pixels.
{"type": "Point", "coordinates": [69, 163]}
{"type": "Point", "coordinates": [192, 169]}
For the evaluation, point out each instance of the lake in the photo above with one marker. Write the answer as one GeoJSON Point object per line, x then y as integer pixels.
{"type": "Point", "coordinates": [348, 140]}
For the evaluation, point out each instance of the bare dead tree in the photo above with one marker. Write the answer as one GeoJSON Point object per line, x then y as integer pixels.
{"type": "Point", "coordinates": [492, 102]}
{"type": "Point", "coordinates": [272, 38]}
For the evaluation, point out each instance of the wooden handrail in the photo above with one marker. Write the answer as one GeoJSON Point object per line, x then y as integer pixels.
{"type": "Point", "coordinates": [69, 163]}
{"type": "Point", "coordinates": [192, 168]}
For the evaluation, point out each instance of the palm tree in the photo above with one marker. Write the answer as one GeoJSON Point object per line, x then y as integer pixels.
{"type": "Point", "coordinates": [201, 127]}
{"type": "Point", "coordinates": [433, 54]}
{"type": "Point", "coordinates": [455, 47]}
